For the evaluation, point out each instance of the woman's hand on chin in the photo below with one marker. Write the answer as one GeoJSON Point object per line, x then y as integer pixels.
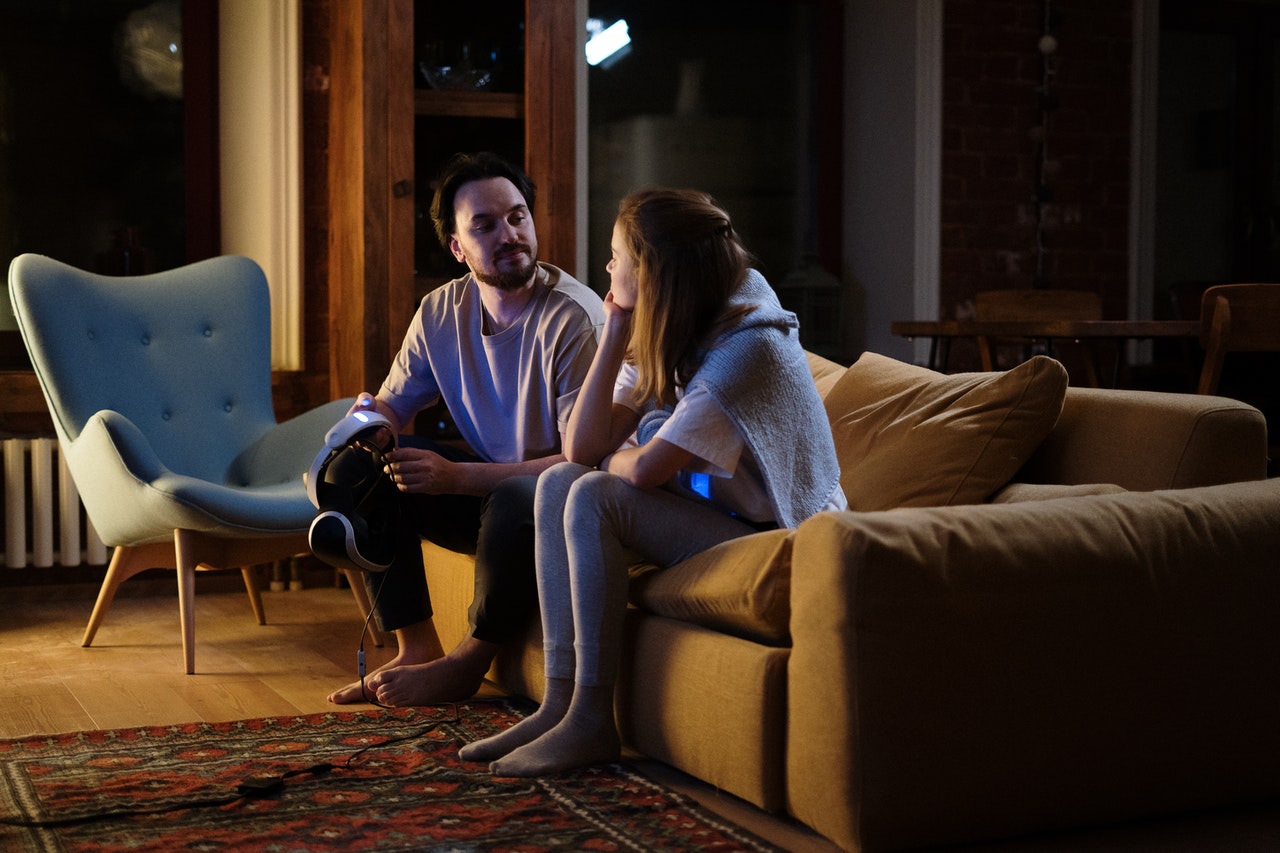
{"type": "Point", "coordinates": [614, 310]}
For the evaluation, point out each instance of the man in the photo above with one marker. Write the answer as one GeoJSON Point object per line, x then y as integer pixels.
{"type": "Point", "coordinates": [506, 347]}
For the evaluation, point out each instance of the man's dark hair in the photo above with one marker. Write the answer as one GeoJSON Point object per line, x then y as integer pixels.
{"type": "Point", "coordinates": [464, 168]}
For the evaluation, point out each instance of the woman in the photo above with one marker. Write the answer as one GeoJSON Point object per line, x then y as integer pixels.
{"type": "Point", "coordinates": [698, 423]}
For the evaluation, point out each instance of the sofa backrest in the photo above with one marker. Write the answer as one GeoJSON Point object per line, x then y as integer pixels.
{"type": "Point", "coordinates": [1137, 440]}
{"type": "Point", "coordinates": [1148, 440]}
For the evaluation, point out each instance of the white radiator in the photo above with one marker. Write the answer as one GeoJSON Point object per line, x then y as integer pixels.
{"type": "Point", "coordinates": [37, 503]}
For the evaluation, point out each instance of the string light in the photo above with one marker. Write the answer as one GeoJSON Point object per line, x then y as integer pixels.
{"type": "Point", "coordinates": [1048, 103]}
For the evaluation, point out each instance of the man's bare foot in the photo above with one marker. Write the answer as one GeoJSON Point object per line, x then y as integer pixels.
{"type": "Point", "coordinates": [354, 692]}
{"type": "Point", "coordinates": [417, 643]}
{"type": "Point", "coordinates": [350, 694]}
{"type": "Point", "coordinates": [452, 678]}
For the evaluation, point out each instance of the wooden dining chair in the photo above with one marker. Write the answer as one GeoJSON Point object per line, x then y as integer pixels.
{"type": "Point", "coordinates": [1236, 318]}
{"type": "Point", "coordinates": [1240, 318]}
{"type": "Point", "coordinates": [995, 306]}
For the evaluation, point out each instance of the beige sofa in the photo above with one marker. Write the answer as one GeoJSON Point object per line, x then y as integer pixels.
{"type": "Point", "coordinates": [1046, 607]}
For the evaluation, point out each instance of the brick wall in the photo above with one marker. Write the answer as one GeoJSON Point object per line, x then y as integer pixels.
{"type": "Point", "coordinates": [993, 164]}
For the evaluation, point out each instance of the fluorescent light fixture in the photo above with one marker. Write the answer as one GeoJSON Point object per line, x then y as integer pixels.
{"type": "Point", "coordinates": [605, 43]}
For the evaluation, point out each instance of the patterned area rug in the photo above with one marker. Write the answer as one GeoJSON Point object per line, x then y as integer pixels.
{"type": "Point", "coordinates": [384, 780]}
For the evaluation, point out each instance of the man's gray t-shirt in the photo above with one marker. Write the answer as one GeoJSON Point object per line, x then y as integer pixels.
{"type": "Point", "coordinates": [510, 394]}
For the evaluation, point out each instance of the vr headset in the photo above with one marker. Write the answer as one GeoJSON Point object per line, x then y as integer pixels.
{"type": "Point", "coordinates": [359, 507]}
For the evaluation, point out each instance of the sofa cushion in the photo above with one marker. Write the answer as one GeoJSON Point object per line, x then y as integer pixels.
{"type": "Point", "coordinates": [907, 436]}
{"type": "Point", "coordinates": [825, 373]}
{"type": "Point", "coordinates": [740, 587]}
{"type": "Point", "coordinates": [1019, 492]}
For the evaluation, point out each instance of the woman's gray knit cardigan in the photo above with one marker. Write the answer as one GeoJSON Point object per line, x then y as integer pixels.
{"type": "Point", "coordinates": [760, 375]}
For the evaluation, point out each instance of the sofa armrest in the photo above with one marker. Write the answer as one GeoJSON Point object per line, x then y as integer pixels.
{"type": "Point", "coordinates": [1147, 440]}
{"type": "Point", "coordinates": [982, 671]}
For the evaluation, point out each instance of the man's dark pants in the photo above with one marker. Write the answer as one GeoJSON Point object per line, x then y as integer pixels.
{"type": "Point", "coordinates": [497, 528]}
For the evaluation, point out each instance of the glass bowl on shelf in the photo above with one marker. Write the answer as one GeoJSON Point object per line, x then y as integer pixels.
{"type": "Point", "coordinates": [466, 69]}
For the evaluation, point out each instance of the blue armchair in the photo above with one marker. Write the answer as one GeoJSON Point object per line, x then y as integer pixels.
{"type": "Point", "coordinates": [160, 392]}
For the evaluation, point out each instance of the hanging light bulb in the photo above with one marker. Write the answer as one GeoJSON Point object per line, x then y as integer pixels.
{"type": "Point", "coordinates": [150, 50]}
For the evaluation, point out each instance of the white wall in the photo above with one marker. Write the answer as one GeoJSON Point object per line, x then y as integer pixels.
{"type": "Point", "coordinates": [892, 130]}
{"type": "Point", "coordinates": [892, 168]}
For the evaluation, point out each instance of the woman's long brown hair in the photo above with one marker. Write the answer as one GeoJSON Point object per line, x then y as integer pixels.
{"type": "Point", "coordinates": [689, 262]}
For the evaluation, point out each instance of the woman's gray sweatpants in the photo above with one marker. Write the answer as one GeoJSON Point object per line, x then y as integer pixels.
{"type": "Point", "coordinates": [591, 527]}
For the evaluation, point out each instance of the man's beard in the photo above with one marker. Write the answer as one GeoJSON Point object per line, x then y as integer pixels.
{"type": "Point", "coordinates": [514, 279]}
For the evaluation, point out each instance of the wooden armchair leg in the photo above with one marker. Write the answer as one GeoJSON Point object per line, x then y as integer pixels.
{"type": "Point", "coordinates": [185, 547]}
{"type": "Point", "coordinates": [255, 594]}
{"type": "Point", "coordinates": [126, 562]}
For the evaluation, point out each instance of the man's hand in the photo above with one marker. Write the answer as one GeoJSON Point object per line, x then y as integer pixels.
{"type": "Point", "coordinates": [422, 471]}
{"type": "Point", "coordinates": [366, 402]}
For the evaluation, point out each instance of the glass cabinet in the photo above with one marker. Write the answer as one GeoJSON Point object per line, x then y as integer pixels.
{"type": "Point", "coordinates": [411, 84]}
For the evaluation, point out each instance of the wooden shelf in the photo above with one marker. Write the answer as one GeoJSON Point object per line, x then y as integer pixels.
{"type": "Point", "coordinates": [432, 102]}
{"type": "Point", "coordinates": [22, 407]}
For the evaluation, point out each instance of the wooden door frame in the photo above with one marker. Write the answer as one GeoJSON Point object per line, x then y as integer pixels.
{"type": "Point", "coordinates": [370, 190]}
{"type": "Point", "coordinates": [200, 119]}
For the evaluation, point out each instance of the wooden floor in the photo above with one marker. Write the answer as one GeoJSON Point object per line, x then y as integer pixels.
{"type": "Point", "coordinates": [132, 676]}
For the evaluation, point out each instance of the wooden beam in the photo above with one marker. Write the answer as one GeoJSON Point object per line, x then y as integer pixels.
{"type": "Point", "coordinates": [551, 56]}
{"type": "Point", "coordinates": [370, 189]}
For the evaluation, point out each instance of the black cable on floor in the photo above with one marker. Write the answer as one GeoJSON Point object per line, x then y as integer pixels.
{"type": "Point", "coordinates": [255, 787]}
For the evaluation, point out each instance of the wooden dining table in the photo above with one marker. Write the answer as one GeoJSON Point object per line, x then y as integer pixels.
{"type": "Point", "coordinates": [942, 332]}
